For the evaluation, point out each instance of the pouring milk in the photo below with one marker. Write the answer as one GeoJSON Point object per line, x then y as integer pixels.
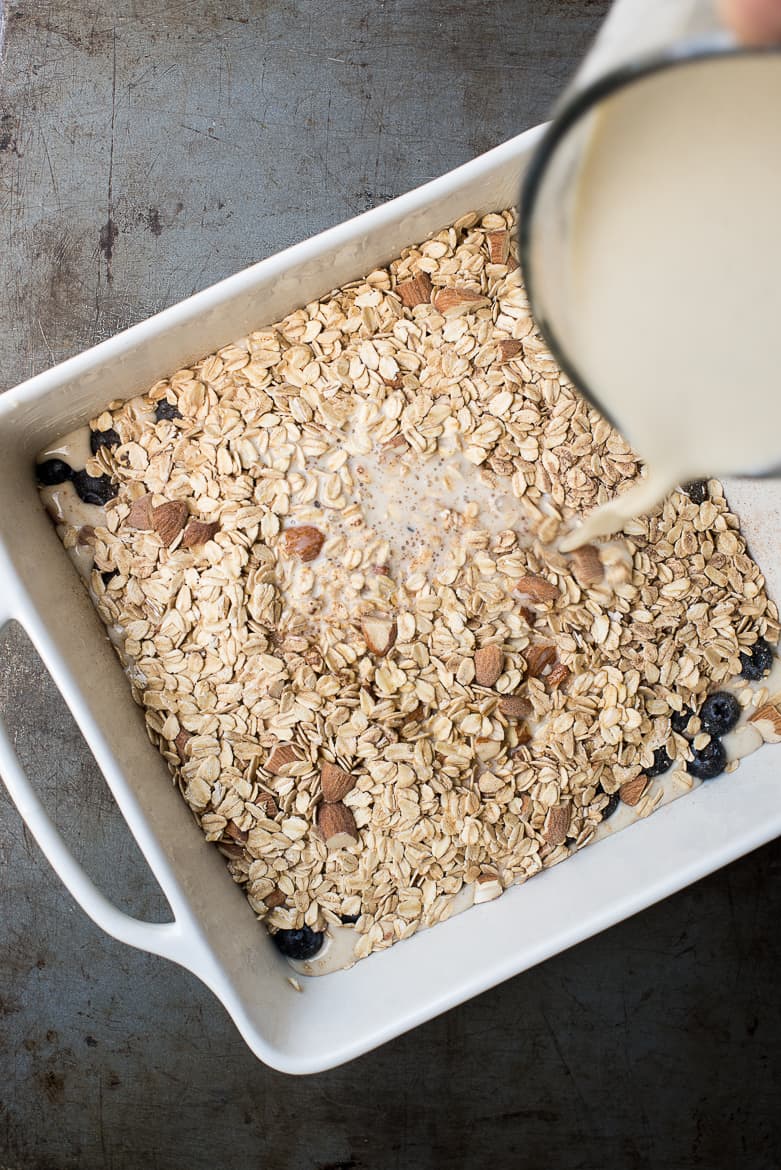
{"type": "Point", "coordinates": [674, 273]}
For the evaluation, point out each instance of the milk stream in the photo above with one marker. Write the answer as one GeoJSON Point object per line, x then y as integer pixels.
{"type": "Point", "coordinates": [674, 290]}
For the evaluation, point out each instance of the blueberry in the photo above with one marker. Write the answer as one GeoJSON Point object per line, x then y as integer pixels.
{"type": "Point", "coordinates": [719, 713]}
{"type": "Point", "coordinates": [107, 574]}
{"type": "Point", "coordinates": [166, 409]}
{"type": "Point", "coordinates": [299, 944]}
{"type": "Point", "coordinates": [708, 761]}
{"type": "Point", "coordinates": [679, 720]}
{"type": "Point", "coordinates": [757, 661]}
{"type": "Point", "coordinates": [349, 919]}
{"type": "Point", "coordinates": [94, 489]}
{"type": "Point", "coordinates": [613, 801]}
{"type": "Point", "coordinates": [697, 490]}
{"type": "Point", "coordinates": [53, 471]}
{"type": "Point", "coordinates": [98, 439]}
{"type": "Point", "coordinates": [661, 763]}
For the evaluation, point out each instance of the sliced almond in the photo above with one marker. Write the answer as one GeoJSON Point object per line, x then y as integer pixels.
{"type": "Point", "coordinates": [85, 537]}
{"type": "Point", "coordinates": [538, 658]}
{"type": "Point", "coordinates": [233, 830]}
{"type": "Point", "coordinates": [198, 532]}
{"type": "Point", "coordinates": [557, 677]}
{"type": "Point", "coordinates": [515, 707]}
{"type": "Point", "coordinates": [509, 348]}
{"type": "Point", "coordinates": [498, 246]}
{"type": "Point", "coordinates": [586, 565]}
{"type": "Point", "coordinates": [487, 887]}
{"type": "Point", "coordinates": [632, 791]}
{"type": "Point", "coordinates": [336, 825]}
{"type": "Point", "coordinates": [455, 301]}
{"type": "Point", "coordinates": [379, 632]}
{"type": "Point", "coordinates": [181, 742]}
{"type": "Point", "coordinates": [489, 663]}
{"type": "Point", "coordinates": [335, 783]}
{"type": "Point", "coordinates": [274, 898]}
{"type": "Point", "coordinates": [767, 720]}
{"type": "Point", "coordinates": [528, 614]}
{"type": "Point", "coordinates": [556, 824]}
{"type": "Point", "coordinates": [140, 514]}
{"type": "Point", "coordinates": [169, 519]}
{"type": "Point", "coordinates": [416, 291]}
{"type": "Point", "coordinates": [303, 542]}
{"type": "Point", "coordinates": [537, 588]}
{"type": "Point", "coordinates": [280, 756]}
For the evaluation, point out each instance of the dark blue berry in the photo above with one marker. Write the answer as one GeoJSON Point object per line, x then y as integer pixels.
{"type": "Point", "coordinates": [53, 471]}
{"type": "Point", "coordinates": [709, 761]}
{"type": "Point", "coordinates": [349, 919]}
{"type": "Point", "coordinates": [679, 720]}
{"type": "Point", "coordinates": [107, 574]}
{"type": "Point", "coordinates": [757, 661]}
{"type": "Point", "coordinates": [662, 763]}
{"type": "Point", "coordinates": [98, 439]}
{"type": "Point", "coordinates": [299, 944]}
{"type": "Point", "coordinates": [94, 489]}
{"type": "Point", "coordinates": [719, 713]}
{"type": "Point", "coordinates": [613, 801]}
{"type": "Point", "coordinates": [697, 490]}
{"type": "Point", "coordinates": [166, 409]}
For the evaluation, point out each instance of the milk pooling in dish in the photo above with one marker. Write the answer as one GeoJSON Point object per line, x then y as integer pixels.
{"type": "Point", "coordinates": [675, 274]}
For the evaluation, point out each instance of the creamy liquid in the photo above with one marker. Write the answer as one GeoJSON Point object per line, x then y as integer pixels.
{"type": "Point", "coordinates": [675, 282]}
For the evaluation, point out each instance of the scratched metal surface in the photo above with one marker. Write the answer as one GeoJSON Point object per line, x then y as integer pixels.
{"type": "Point", "coordinates": [146, 150]}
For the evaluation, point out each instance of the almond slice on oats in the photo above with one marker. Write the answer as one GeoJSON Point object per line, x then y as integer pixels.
{"type": "Point", "coordinates": [538, 658]}
{"type": "Point", "coordinates": [489, 664]}
{"type": "Point", "coordinates": [379, 633]}
{"type": "Point", "coordinates": [169, 519]}
{"type": "Point", "coordinates": [198, 532]}
{"type": "Point", "coordinates": [515, 707]}
{"type": "Point", "coordinates": [181, 742]}
{"type": "Point", "coordinates": [455, 301]}
{"type": "Point", "coordinates": [336, 825]}
{"type": "Point", "coordinates": [767, 720]}
{"type": "Point", "coordinates": [632, 791]}
{"type": "Point", "coordinates": [335, 783]}
{"type": "Point", "coordinates": [509, 348]}
{"type": "Point", "coordinates": [140, 514]}
{"type": "Point", "coordinates": [238, 834]}
{"type": "Point", "coordinates": [537, 588]}
{"type": "Point", "coordinates": [557, 677]}
{"type": "Point", "coordinates": [280, 756]}
{"type": "Point", "coordinates": [557, 821]}
{"type": "Point", "coordinates": [274, 898]}
{"type": "Point", "coordinates": [586, 566]}
{"type": "Point", "coordinates": [498, 246]}
{"type": "Point", "coordinates": [415, 291]}
{"type": "Point", "coordinates": [303, 542]}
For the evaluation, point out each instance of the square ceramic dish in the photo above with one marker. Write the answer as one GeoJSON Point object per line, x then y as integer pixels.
{"type": "Point", "coordinates": [214, 933]}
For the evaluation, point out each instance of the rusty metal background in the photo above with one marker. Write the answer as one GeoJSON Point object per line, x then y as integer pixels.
{"type": "Point", "coordinates": [146, 150]}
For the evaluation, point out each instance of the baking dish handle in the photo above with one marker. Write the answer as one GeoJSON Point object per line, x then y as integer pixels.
{"type": "Point", "coordinates": [168, 939]}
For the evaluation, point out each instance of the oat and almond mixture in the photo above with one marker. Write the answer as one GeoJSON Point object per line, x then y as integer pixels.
{"type": "Point", "coordinates": [332, 557]}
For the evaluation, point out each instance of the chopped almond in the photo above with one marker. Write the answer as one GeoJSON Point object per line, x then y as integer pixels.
{"type": "Point", "coordinates": [303, 542]}
{"type": "Point", "coordinates": [379, 632]}
{"type": "Point", "coordinates": [509, 348]}
{"type": "Point", "coordinates": [415, 291]}
{"type": "Point", "coordinates": [169, 519]}
{"type": "Point", "coordinates": [335, 783]}
{"type": "Point", "coordinates": [498, 246]}
{"type": "Point", "coordinates": [632, 790]}
{"type": "Point", "coordinates": [557, 677]}
{"type": "Point", "coordinates": [587, 566]}
{"type": "Point", "coordinates": [515, 707]}
{"type": "Point", "coordinates": [336, 825]}
{"type": "Point", "coordinates": [489, 664]}
{"type": "Point", "coordinates": [539, 658]}
{"type": "Point", "coordinates": [557, 821]}
{"type": "Point", "coordinates": [454, 302]}
{"type": "Point", "coordinates": [537, 588]}
{"type": "Point", "coordinates": [140, 514]}
{"type": "Point", "coordinates": [280, 756]}
{"type": "Point", "coordinates": [198, 532]}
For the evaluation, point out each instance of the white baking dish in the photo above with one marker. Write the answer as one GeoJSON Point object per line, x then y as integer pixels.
{"type": "Point", "coordinates": [214, 933]}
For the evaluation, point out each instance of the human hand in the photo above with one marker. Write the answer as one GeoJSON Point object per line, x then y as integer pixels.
{"type": "Point", "coordinates": [754, 22]}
